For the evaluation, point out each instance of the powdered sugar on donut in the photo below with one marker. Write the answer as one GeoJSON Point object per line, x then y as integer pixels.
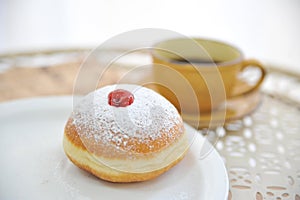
{"type": "Point", "coordinates": [145, 119]}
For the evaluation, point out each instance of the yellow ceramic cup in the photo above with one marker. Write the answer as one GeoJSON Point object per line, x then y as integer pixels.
{"type": "Point", "coordinates": [198, 75]}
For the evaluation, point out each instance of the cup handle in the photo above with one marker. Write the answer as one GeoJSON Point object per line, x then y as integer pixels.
{"type": "Point", "coordinates": [254, 63]}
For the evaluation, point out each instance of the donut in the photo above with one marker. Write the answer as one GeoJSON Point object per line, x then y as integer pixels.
{"type": "Point", "coordinates": [125, 133]}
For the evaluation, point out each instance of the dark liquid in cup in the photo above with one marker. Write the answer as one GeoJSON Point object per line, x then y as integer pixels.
{"type": "Point", "coordinates": [195, 61]}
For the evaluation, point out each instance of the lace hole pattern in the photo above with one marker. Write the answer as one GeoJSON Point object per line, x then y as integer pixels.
{"type": "Point", "coordinates": [262, 150]}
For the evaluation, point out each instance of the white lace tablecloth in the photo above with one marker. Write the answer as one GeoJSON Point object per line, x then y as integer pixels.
{"type": "Point", "coordinates": [261, 151]}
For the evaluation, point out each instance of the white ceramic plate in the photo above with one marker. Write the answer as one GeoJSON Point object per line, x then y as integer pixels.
{"type": "Point", "coordinates": [34, 166]}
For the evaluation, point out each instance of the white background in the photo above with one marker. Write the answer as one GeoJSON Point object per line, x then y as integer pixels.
{"type": "Point", "coordinates": [268, 30]}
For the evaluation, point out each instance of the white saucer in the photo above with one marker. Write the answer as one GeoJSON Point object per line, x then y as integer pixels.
{"type": "Point", "coordinates": [34, 166]}
{"type": "Point", "coordinates": [233, 109]}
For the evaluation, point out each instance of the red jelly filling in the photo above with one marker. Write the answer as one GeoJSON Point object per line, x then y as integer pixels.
{"type": "Point", "coordinates": [120, 98]}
